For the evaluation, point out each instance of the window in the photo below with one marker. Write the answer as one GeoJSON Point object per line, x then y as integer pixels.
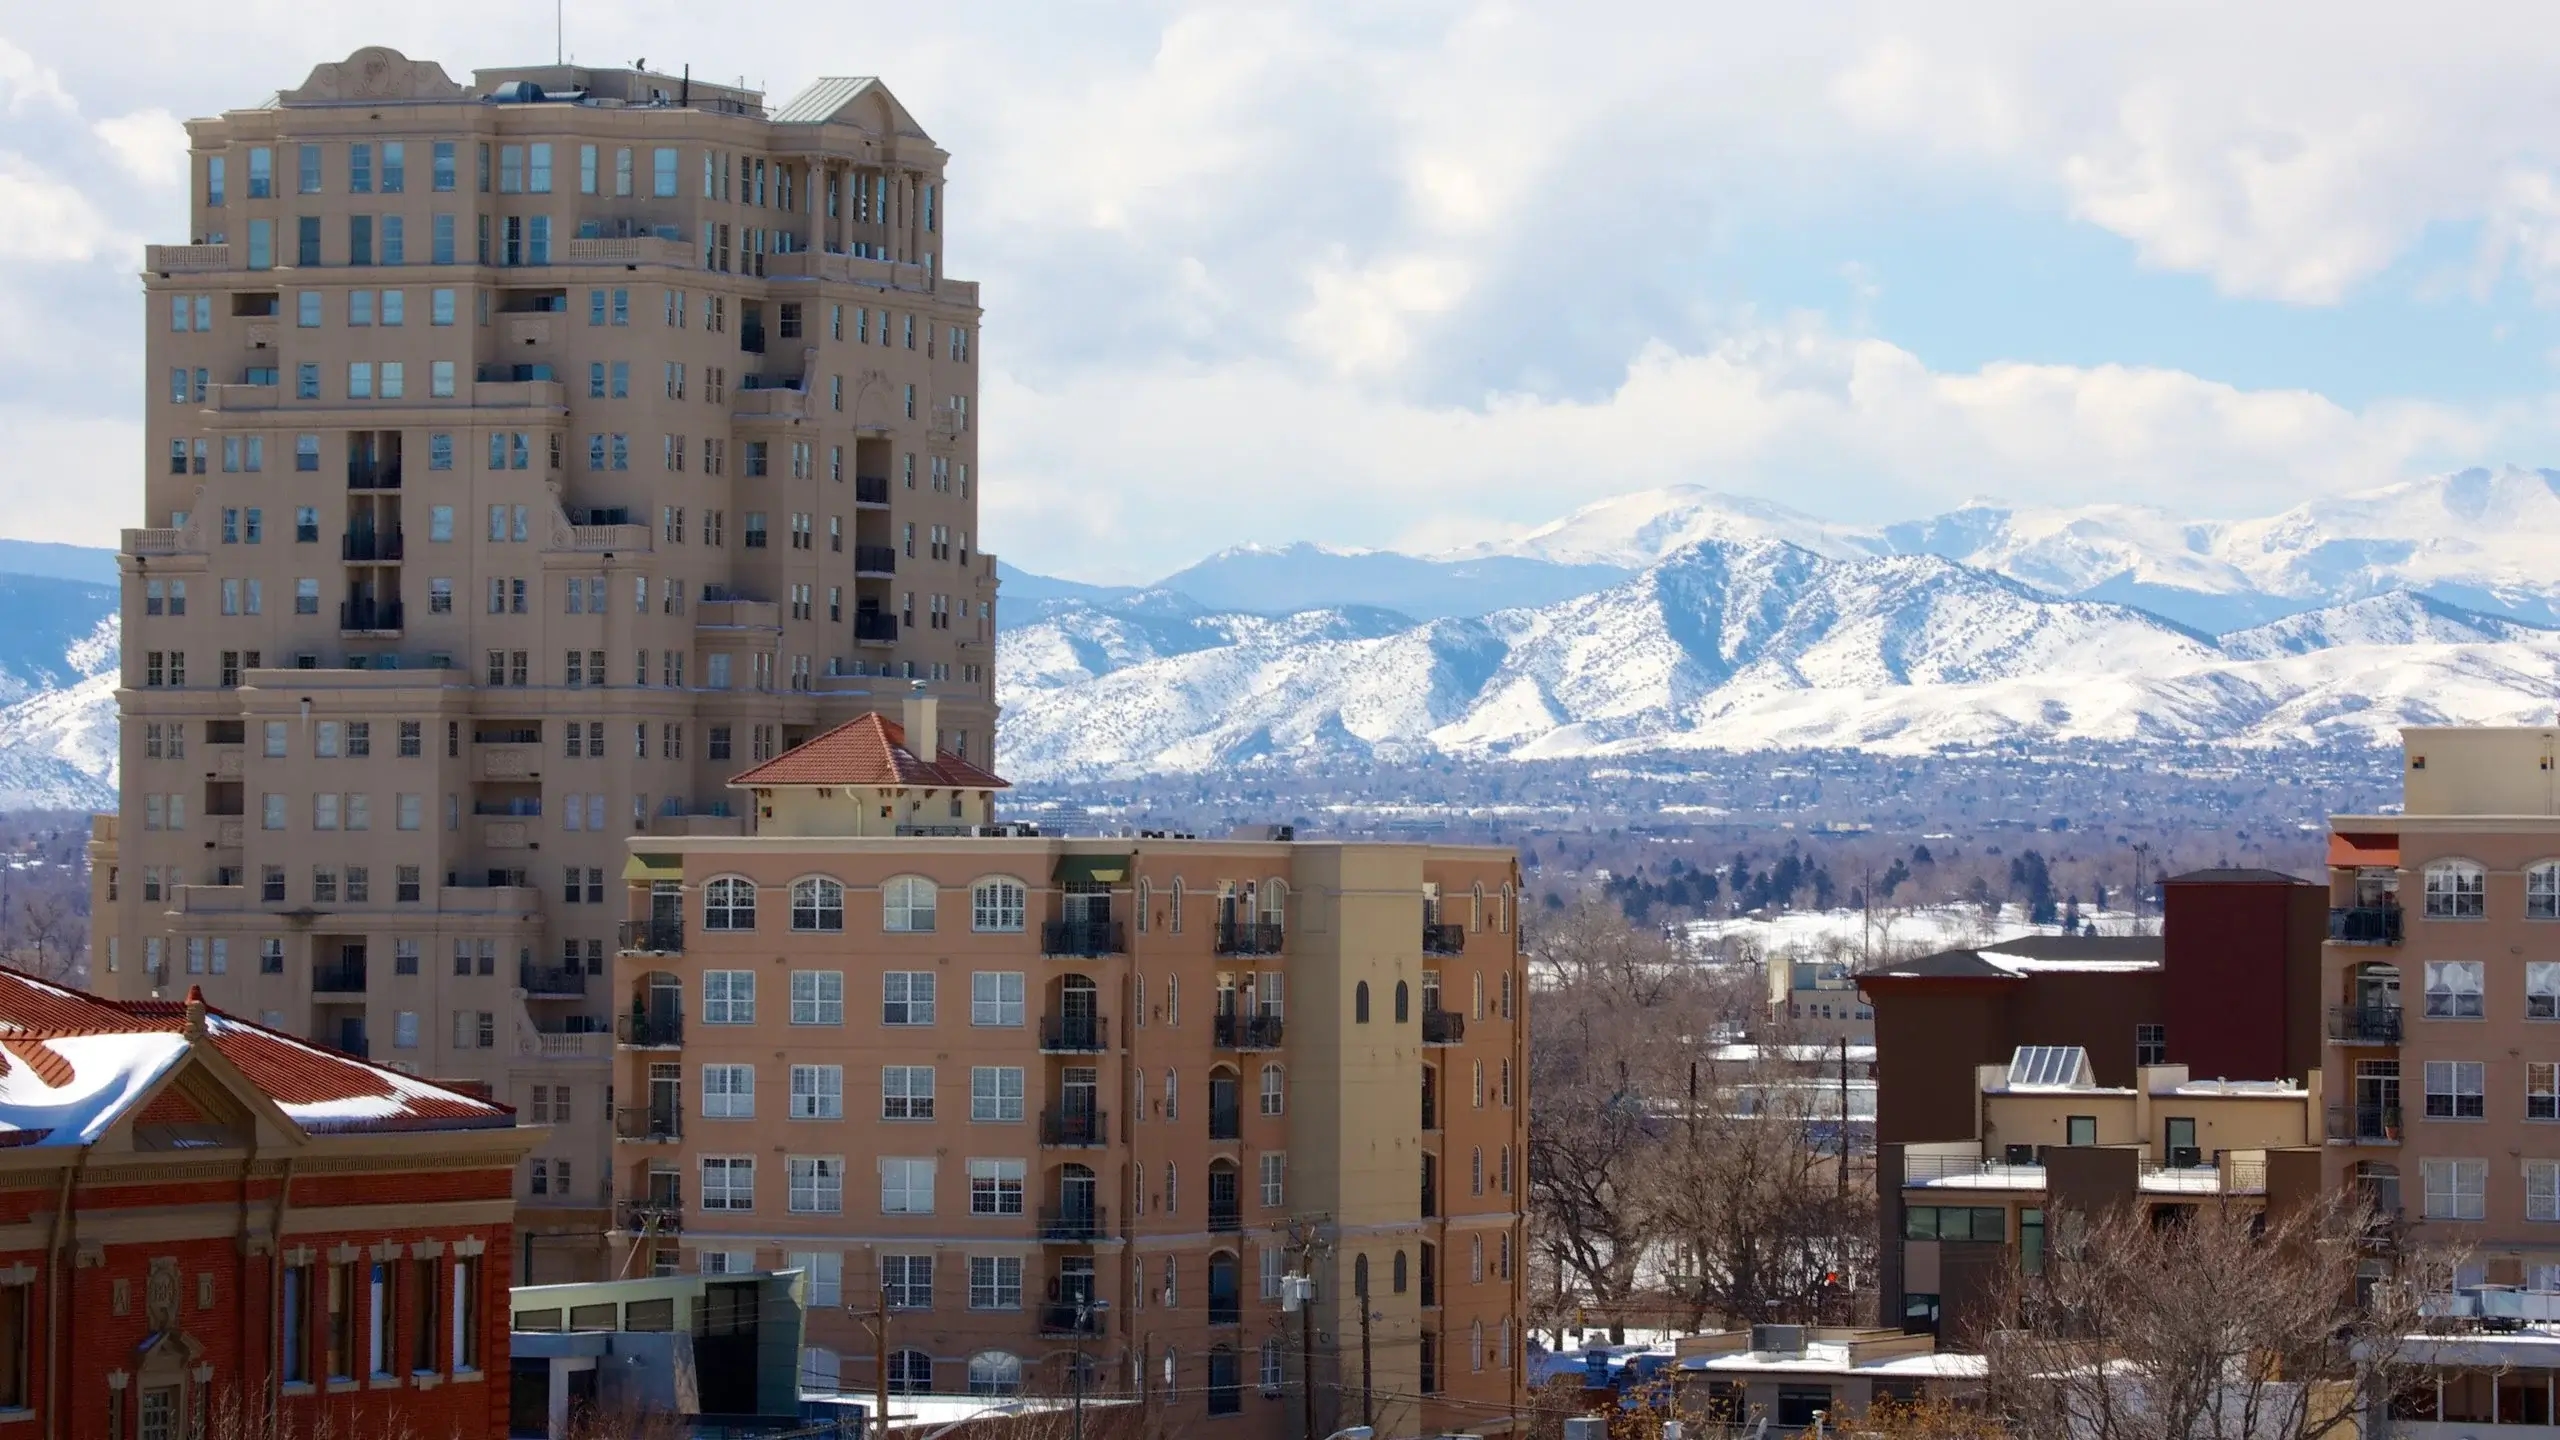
{"type": "Point", "coordinates": [997, 905]}
{"type": "Point", "coordinates": [906, 997]}
{"type": "Point", "coordinates": [2456, 890]}
{"type": "Point", "coordinates": [995, 1093]}
{"type": "Point", "coordinates": [817, 1185]}
{"type": "Point", "coordinates": [906, 1092]}
{"type": "Point", "coordinates": [817, 1092]}
{"type": "Point", "coordinates": [2454, 989]}
{"type": "Point", "coordinates": [728, 1182]}
{"type": "Point", "coordinates": [995, 1187]}
{"type": "Point", "coordinates": [2541, 1090]}
{"type": "Point", "coordinates": [907, 905]}
{"type": "Point", "coordinates": [728, 997]}
{"type": "Point", "coordinates": [1273, 1377]}
{"type": "Point", "coordinates": [1274, 1090]}
{"type": "Point", "coordinates": [817, 903]}
{"type": "Point", "coordinates": [2150, 1044]}
{"type": "Point", "coordinates": [1360, 1003]}
{"type": "Point", "coordinates": [996, 997]}
{"type": "Point", "coordinates": [1275, 1168]}
{"type": "Point", "coordinates": [2541, 990]}
{"type": "Point", "coordinates": [993, 1372]}
{"type": "Point", "coordinates": [728, 1092]}
{"type": "Point", "coordinates": [995, 1283]}
{"type": "Point", "coordinates": [906, 1188]}
{"type": "Point", "coordinates": [2455, 1090]}
{"type": "Point", "coordinates": [2456, 1189]}
{"type": "Point", "coordinates": [817, 997]}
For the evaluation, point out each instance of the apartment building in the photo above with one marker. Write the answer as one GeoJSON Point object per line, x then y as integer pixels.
{"type": "Point", "coordinates": [638, 415]}
{"type": "Point", "coordinates": [1046, 1102]}
{"type": "Point", "coordinates": [2446, 1103]}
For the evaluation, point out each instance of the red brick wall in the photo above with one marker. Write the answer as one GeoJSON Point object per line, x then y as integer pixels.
{"type": "Point", "coordinates": [236, 1332]}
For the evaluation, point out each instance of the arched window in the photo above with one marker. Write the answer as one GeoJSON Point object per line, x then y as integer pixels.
{"type": "Point", "coordinates": [910, 1372]}
{"type": "Point", "coordinates": [1360, 1276]}
{"type": "Point", "coordinates": [1172, 1289]}
{"type": "Point", "coordinates": [997, 906]}
{"type": "Point", "coordinates": [1173, 922]}
{"type": "Point", "coordinates": [1226, 1296]}
{"type": "Point", "coordinates": [1502, 1353]}
{"type": "Point", "coordinates": [1396, 1273]}
{"type": "Point", "coordinates": [906, 905]}
{"type": "Point", "coordinates": [820, 1370]}
{"type": "Point", "coordinates": [1274, 1090]}
{"type": "Point", "coordinates": [1502, 914]}
{"type": "Point", "coordinates": [1146, 901]}
{"type": "Point", "coordinates": [1275, 901]}
{"type": "Point", "coordinates": [1171, 1207]}
{"type": "Point", "coordinates": [729, 903]}
{"type": "Point", "coordinates": [2456, 890]}
{"type": "Point", "coordinates": [1475, 921]}
{"type": "Point", "coordinates": [1404, 1004]}
{"type": "Point", "coordinates": [1360, 1003]}
{"type": "Point", "coordinates": [993, 1372]}
{"type": "Point", "coordinates": [817, 903]}
{"type": "Point", "coordinates": [1475, 1346]}
{"type": "Point", "coordinates": [2542, 891]}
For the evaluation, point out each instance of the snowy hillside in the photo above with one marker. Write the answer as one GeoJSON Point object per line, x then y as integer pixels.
{"type": "Point", "coordinates": [1748, 645]}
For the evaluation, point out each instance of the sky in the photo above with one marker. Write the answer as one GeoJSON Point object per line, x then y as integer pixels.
{"type": "Point", "coordinates": [1429, 273]}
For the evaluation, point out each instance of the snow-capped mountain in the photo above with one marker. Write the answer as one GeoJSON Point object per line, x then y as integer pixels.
{"type": "Point", "coordinates": [1749, 645]}
{"type": "Point", "coordinates": [1632, 531]}
{"type": "Point", "coordinates": [58, 660]}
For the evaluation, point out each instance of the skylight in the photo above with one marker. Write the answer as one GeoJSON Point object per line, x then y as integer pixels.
{"type": "Point", "coordinates": [2049, 1065]}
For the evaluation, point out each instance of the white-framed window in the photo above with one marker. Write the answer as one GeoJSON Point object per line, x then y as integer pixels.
{"type": "Point", "coordinates": [728, 1092]}
{"type": "Point", "coordinates": [906, 1186]}
{"type": "Point", "coordinates": [728, 997]}
{"type": "Point", "coordinates": [2541, 990]}
{"type": "Point", "coordinates": [1275, 1175]}
{"type": "Point", "coordinates": [998, 905]}
{"type": "Point", "coordinates": [1275, 1091]}
{"type": "Point", "coordinates": [728, 903]}
{"type": "Point", "coordinates": [995, 1187]}
{"type": "Point", "coordinates": [907, 905]}
{"type": "Point", "coordinates": [2541, 1090]}
{"type": "Point", "coordinates": [728, 1182]}
{"type": "Point", "coordinates": [2542, 1189]}
{"type": "Point", "coordinates": [995, 997]}
{"type": "Point", "coordinates": [817, 1092]}
{"type": "Point", "coordinates": [906, 997]}
{"type": "Point", "coordinates": [2455, 989]}
{"type": "Point", "coordinates": [817, 1184]}
{"type": "Point", "coordinates": [817, 903]}
{"type": "Point", "coordinates": [825, 1269]}
{"type": "Point", "coordinates": [2457, 890]}
{"type": "Point", "coordinates": [1273, 1377]}
{"type": "Point", "coordinates": [995, 1093]}
{"type": "Point", "coordinates": [2542, 891]}
{"type": "Point", "coordinates": [820, 1369]}
{"type": "Point", "coordinates": [993, 1372]}
{"type": "Point", "coordinates": [1275, 1264]}
{"type": "Point", "coordinates": [906, 1092]}
{"type": "Point", "coordinates": [906, 1282]}
{"type": "Point", "coordinates": [2456, 1189]}
{"type": "Point", "coordinates": [817, 997]}
{"type": "Point", "coordinates": [995, 1283]}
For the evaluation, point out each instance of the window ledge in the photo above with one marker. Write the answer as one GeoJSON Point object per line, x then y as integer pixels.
{"type": "Point", "coordinates": [464, 1376]}
{"type": "Point", "coordinates": [382, 1382]}
{"type": "Point", "coordinates": [298, 1387]}
{"type": "Point", "coordinates": [15, 1413]}
{"type": "Point", "coordinates": [345, 1387]}
{"type": "Point", "coordinates": [425, 1379]}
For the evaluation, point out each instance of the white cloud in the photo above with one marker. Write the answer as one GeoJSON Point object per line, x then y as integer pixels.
{"type": "Point", "coordinates": [150, 144]}
{"type": "Point", "coordinates": [44, 218]}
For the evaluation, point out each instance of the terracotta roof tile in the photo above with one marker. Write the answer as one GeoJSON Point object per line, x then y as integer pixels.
{"type": "Point", "coordinates": [869, 750]}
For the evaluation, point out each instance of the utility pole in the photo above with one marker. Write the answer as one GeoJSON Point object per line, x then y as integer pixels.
{"type": "Point", "coordinates": [1844, 1119]}
{"type": "Point", "coordinates": [878, 1321]}
{"type": "Point", "coordinates": [1368, 1414]}
{"type": "Point", "coordinates": [1307, 1347]}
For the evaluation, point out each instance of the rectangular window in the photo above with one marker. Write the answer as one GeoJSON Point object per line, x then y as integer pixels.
{"type": "Point", "coordinates": [729, 997]}
{"type": "Point", "coordinates": [817, 1185]}
{"type": "Point", "coordinates": [662, 172]}
{"type": "Point", "coordinates": [2542, 1189]}
{"type": "Point", "coordinates": [2456, 1189]}
{"type": "Point", "coordinates": [906, 1281]}
{"type": "Point", "coordinates": [906, 1092]}
{"type": "Point", "coordinates": [995, 1187]}
{"type": "Point", "coordinates": [817, 1092]}
{"type": "Point", "coordinates": [728, 1092]}
{"type": "Point", "coordinates": [906, 997]}
{"type": "Point", "coordinates": [995, 1093]}
{"type": "Point", "coordinates": [817, 996]}
{"type": "Point", "coordinates": [995, 1282]}
{"type": "Point", "coordinates": [728, 1182]}
{"type": "Point", "coordinates": [2454, 989]}
{"type": "Point", "coordinates": [2541, 1090]}
{"type": "Point", "coordinates": [995, 997]}
{"type": "Point", "coordinates": [906, 1186]}
{"type": "Point", "coordinates": [2456, 1090]}
{"type": "Point", "coordinates": [1275, 1169]}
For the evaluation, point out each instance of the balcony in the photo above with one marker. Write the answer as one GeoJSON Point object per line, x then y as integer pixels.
{"type": "Point", "coordinates": [1430, 1200]}
{"type": "Point", "coordinates": [648, 1122]}
{"type": "Point", "coordinates": [1069, 1321]}
{"type": "Point", "coordinates": [2365, 1024]}
{"type": "Point", "coordinates": [1075, 1129]}
{"type": "Point", "coordinates": [505, 762]}
{"type": "Point", "coordinates": [751, 339]}
{"type": "Point", "coordinates": [1074, 1034]}
{"type": "Point", "coordinates": [369, 545]}
{"type": "Point", "coordinates": [1225, 1306]}
{"type": "Point", "coordinates": [373, 474]}
{"type": "Point", "coordinates": [1246, 1032]}
{"type": "Point", "coordinates": [1082, 939]}
{"type": "Point", "coordinates": [651, 1032]}
{"type": "Point", "coordinates": [550, 982]}
{"type": "Point", "coordinates": [878, 561]}
{"type": "Point", "coordinates": [1226, 1122]}
{"type": "Point", "coordinates": [186, 259]}
{"type": "Point", "coordinates": [1444, 939]}
{"type": "Point", "coordinates": [1443, 1027]}
{"type": "Point", "coordinates": [338, 977]}
{"type": "Point", "coordinates": [369, 615]}
{"type": "Point", "coordinates": [2365, 1124]}
{"type": "Point", "coordinates": [871, 490]}
{"type": "Point", "coordinates": [651, 937]}
{"type": "Point", "coordinates": [648, 1217]}
{"type": "Point", "coordinates": [1249, 937]}
{"type": "Point", "coordinates": [569, 1046]}
{"type": "Point", "coordinates": [159, 540]}
{"type": "Point", "coordinates": [1074, 1226]}
{"type": "Point", "coordinates": [356, 1045]}
{"type": "Point", "coordinates": [1225, 1219]}
{"type": "Point", "coordinates": [870, 627]}
{"type": "Point", "coordinates": [2365, 925]}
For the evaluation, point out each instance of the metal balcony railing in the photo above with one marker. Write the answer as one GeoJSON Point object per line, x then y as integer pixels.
{"type": "Point", "coordinates": [2365, 924]}
{"type": "Point", "coordinates": [1226, 1218]}
{"type": "Point", "coordinates": [649, 1217]}
{"type": "Point", "coordinates": [557, 981]}
{"type": "Point", "coordinates": [369, 615]}
{"type": "Point", "coordinates": [338, 977]}
{"type": "Point", "coordinates": [870, 489]}
{"type": "Point", "coordinates": [1070, 1320]}
{"type": "Point", "coordinates": [1082, 939]}
{"type": "Point", "coordinates": [1247, 1032]}
{"type": "Point", "coordinates": [1443, 1027]}
{"type": "Point", "coordinates": [648, 1122]}
{"type": "Point", "coordinates": [373, 475]}
{"type": "Point", "coordinates": [651, 1030]}
{"type": "Point", "coordinates": [1226, 1309]}
{"type": "Point", "coordinates": [2365, 1024]}
{"type": "Point", "coordinates": [1075, 1127]}
{"type": "Point", "coordinates": [370, 545]}
{"type": "Point", "coordinates": [1075, 1034]}
{"type": "Point", "coordinates": [1226, 1122]}
{"type": "Point", "coordinates": [871, 625]}
{"type": "Point", "coordinates": [357, 1045]}
{"type": "Point", "coordinates": [2364, 1122]}
{"type": "Point", "coordinates": [1250, 937]}
{"type": "Point", "coordinates": [1444, 939]}
{"type": "Point", "coordinates": [1076, 1225]}
{"type": "Point", "coordinates": [652, 937]}
{"type": "Point", "coordinates": [875, 560]}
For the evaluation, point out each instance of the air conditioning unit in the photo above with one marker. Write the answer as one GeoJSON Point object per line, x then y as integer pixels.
{"type": "Point", "coordinates": [1777, 1339]}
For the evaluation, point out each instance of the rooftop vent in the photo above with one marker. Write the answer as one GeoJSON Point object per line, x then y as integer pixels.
{"type": "Point", "coordinates": [1777, 1339]}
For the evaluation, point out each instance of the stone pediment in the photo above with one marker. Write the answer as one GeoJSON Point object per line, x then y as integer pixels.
{"type": "Point", "coordinates": [376, 72]}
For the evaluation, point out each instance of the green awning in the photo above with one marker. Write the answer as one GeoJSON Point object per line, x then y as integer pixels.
{"type": "Point", "coordinates": [653, 867]}
{"type": "Point", "coordinates": [1093, 869]}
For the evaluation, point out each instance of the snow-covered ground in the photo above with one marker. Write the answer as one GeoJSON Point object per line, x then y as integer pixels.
{"type": "Point", "coordinates": [1883, 933]}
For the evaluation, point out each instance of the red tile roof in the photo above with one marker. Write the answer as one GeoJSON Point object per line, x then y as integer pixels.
{"type": "Point", "coordinates": [869, 750]}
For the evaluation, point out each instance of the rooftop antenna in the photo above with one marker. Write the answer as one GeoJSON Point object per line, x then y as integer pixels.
{"type": "Point", "coordinates": [559, 32]}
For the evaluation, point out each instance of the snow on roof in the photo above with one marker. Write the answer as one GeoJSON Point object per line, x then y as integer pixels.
{"type": "Point", "coordinates": [1989, 1177]}
{"type": "Point", "coordinates": [1831, 1357]}
{"type": "Point", "coordinates": [68, 1089]}
{"type": "Point", "coordinates": [1800, 1053]}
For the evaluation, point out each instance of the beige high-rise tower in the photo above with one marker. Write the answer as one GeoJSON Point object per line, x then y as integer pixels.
{"type": "Point", "coordinates": [526, 457]}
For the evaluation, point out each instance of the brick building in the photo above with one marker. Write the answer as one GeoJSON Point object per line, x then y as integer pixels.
{"type": "Point", "coordinates": [203, 1219]}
